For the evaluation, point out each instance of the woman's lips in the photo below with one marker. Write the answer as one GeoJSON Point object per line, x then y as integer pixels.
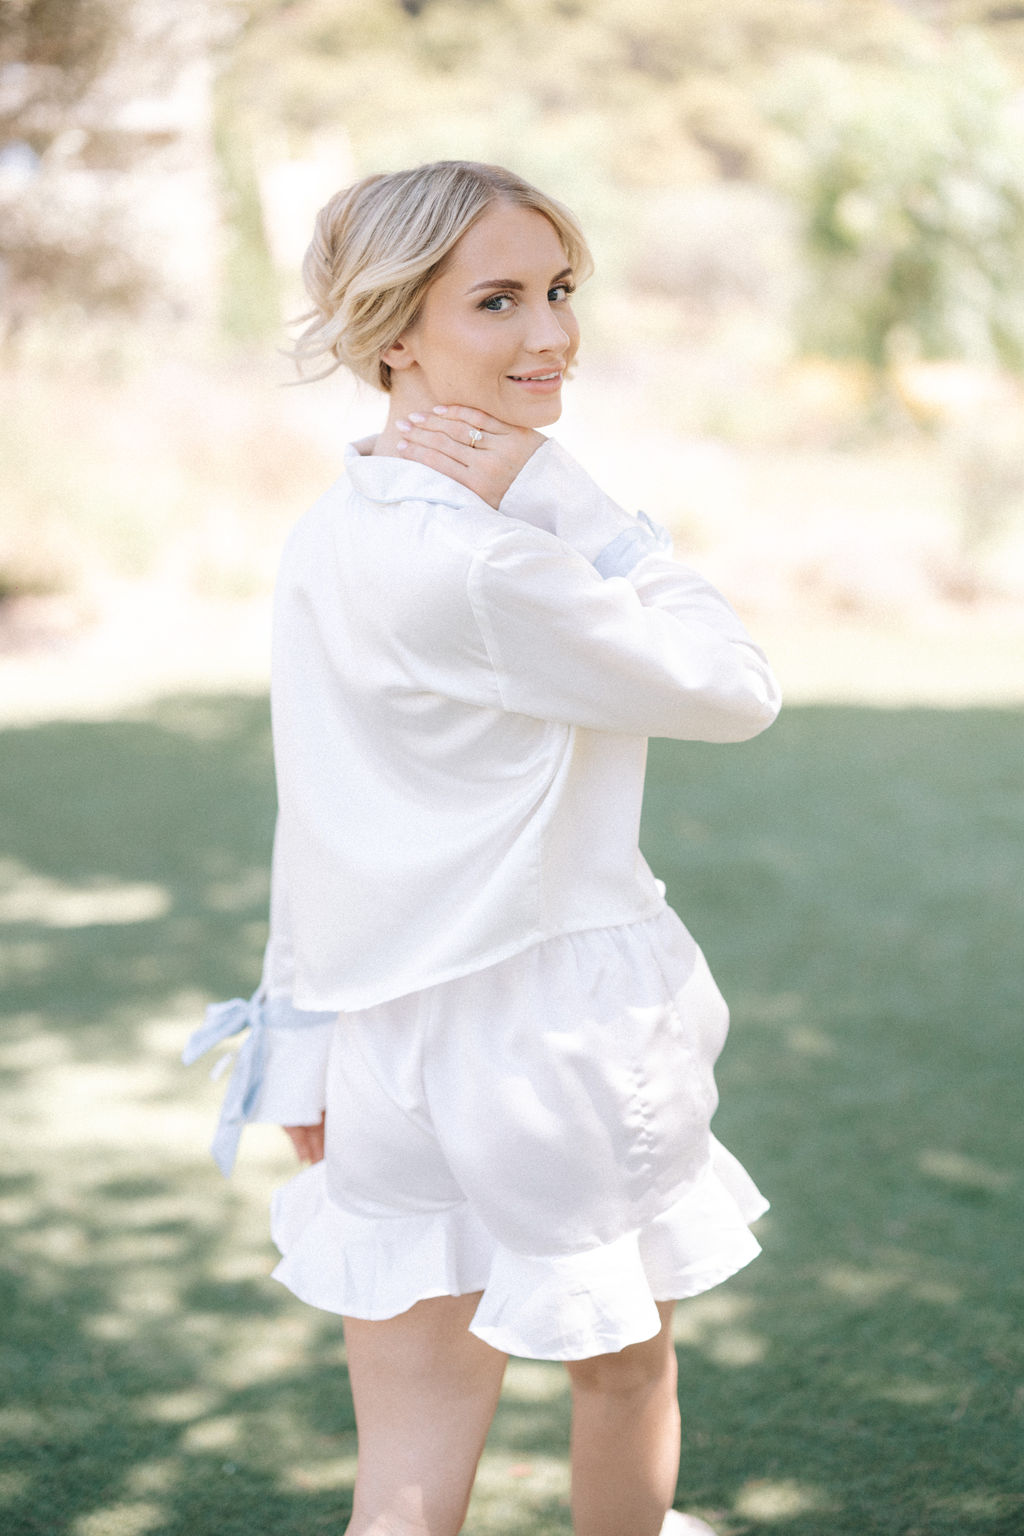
{"type": "Point", "coordinates": [545, 383]}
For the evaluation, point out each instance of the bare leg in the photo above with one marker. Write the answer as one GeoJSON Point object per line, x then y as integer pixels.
{"type": "Point", "coordinates": [625, 1437]}
{"type": "Point", "coordinates": [425, 1391]}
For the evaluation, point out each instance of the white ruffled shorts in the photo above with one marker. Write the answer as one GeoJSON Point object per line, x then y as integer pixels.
{"type": "Point", "coordinates": [537, 1131]}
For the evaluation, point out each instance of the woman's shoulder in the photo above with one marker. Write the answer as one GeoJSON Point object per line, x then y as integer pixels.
{"type": "Point", "coordinates": [420, 526]}
{"type": "Point", "coordinates": [420, 511]}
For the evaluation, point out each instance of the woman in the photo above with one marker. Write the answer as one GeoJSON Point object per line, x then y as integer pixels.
{"type": "Point", "coordinates": [470, 966]}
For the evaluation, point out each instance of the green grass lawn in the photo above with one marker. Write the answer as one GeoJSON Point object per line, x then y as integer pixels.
{"type": "Point", "coordinates": [856, 879]}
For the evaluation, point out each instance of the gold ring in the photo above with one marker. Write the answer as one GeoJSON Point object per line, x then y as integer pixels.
{"type": "Point", "coordinates": [475, 437]}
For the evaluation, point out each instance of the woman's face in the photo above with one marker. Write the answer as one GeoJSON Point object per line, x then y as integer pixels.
{"type": "Point", "coordinates": [496, 330]}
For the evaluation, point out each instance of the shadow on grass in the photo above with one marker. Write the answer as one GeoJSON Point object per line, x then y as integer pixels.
{"type": "Point", "coordinates": [854, 878]}
{"type": "Point", "coordinates": [178, 806]}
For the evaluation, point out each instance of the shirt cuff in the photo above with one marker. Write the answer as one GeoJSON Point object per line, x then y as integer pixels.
{"type": "Point", "coordinates": [266, 1020]}
{"type": "Point", "coordinates": [646, 537]}
{"type": "Point", "coordinates": [294, 1086]}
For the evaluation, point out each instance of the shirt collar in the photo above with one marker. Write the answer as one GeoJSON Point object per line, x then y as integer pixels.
{"type": "Point", "coordinates": [388, 480]}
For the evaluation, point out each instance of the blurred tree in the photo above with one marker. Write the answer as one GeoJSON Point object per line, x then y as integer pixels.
{"type": "Point", "coordinates": [105, 184]}
{"type": "Point", "coordinates": [250, 307]}
{"type": "Point", "coordinates": [380, 65]}
{"type": "Point", "coordinates": [75, 37]}
{"type": "Point", "coordinates": [51, 52]}
{"type": "Point", "coordinates": [911, 185]}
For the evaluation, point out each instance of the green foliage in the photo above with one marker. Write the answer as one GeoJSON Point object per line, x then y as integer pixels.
{"type": "Point", "coordinates": [910, 179]}
{"type": "Point", "coordinates": [407, 80]}
{"type": "Point", "coordinates": [893, 134]}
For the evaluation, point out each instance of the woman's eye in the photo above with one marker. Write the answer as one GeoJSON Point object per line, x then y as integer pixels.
{"type": "Point", "coordinates": [501, 303]}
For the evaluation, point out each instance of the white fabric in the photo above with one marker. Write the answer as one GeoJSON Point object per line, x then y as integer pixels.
{"type": "Point", "coordinates": [678, 1524]}
{"type": "Point", "coordinates": [294, 1076]}
{"type": "Point", "coordinates": [519, 1081]}
{"type": "Point", "coordinates": [461, 706]}
{"type": "Point", "coordinates": [256, 1016]}
{"type": "Point", "coordinates": [537, 1130]}
{"type": "Point", "coordinates": [552, 492]}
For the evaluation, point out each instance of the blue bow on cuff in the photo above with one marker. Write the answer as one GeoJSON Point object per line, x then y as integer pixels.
{"type": "Point", "coordinates": [220, 1022]}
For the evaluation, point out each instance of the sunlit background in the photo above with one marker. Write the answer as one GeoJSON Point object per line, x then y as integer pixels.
{"type": "Point", "coordinates": [804, 340]}
{"type": "Point", "coordinates": [804, 351]}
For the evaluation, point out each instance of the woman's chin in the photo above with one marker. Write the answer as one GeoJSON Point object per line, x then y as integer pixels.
{"type": "Point", "coordinates": [539, 413]}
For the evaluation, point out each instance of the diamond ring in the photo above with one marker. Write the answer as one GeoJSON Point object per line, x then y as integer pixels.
{"type": "Point", "coordinates": [475, 437]}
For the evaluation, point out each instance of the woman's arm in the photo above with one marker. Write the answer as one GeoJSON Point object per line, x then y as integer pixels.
{"type": "Point", "coordinates": [529, 477]}
{"type": "Point", "coordinates": [656, 652]}
{"type": "Point", "coordinates": [651, 651]}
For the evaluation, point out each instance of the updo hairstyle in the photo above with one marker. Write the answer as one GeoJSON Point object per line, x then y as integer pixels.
{"type": "Point", "coordinates": [378, 245]}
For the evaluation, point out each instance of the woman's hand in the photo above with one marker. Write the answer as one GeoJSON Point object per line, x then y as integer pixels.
{"type": "Point", "coordinates": [444, 440]}
{"type": "Point", "coordinates": [308, 1141]}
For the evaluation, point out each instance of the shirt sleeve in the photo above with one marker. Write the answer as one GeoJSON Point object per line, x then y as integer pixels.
{"type": "Point", "coordinates": [279, 1073]}
{"type": "Point", "coordinates": [292, 1090]}
{"type": "Point", "coordinates": [587, 620]}
{"type": "Point", "coordinates": [552, 491]}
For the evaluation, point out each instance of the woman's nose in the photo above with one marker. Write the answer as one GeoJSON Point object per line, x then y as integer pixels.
{"type": "Point", "coordinates": [546, 332]}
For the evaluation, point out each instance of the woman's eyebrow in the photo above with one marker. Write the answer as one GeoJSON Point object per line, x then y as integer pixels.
{"type": "Point", "coordinates": [510, 282]}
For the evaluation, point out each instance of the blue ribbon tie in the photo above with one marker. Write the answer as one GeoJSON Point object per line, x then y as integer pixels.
{"type": "Point", "coordinates": [220, 1022]}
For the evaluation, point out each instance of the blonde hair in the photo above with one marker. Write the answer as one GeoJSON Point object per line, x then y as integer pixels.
{"type": "Point", "coordinates": [378, 245]}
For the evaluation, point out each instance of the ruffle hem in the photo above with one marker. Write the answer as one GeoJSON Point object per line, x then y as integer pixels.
{"type": "Point", "coordinates": [542, 1307]}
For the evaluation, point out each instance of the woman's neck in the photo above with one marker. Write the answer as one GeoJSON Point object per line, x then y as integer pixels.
{"type": "Point", "coordinates": [408, 393]}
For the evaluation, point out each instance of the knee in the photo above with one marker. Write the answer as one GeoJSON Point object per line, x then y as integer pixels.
{"type": "Point", "coordinates": [637, 1369]}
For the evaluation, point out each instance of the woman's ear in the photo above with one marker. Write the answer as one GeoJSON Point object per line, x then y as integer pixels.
{"type": "Point", "coordinates": [399, 355]}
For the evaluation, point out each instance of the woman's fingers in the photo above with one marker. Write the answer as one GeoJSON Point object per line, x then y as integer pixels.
{"type": "Point", "coordinates": [308, 1141]}
{"type": "Point", "coordinates": [458, 422]}
{"type": "Point", "coordinates": [444, 433]}
{"type": "Point", "coordinates": [471, 417]}
{"type": "Point", "coordinates": [442, 454]}
{"type": "Point", "coordinates": [452, 442]}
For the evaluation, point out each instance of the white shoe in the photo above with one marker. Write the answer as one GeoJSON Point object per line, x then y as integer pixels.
{"type": "Point", "coordinates": [678, 1524]}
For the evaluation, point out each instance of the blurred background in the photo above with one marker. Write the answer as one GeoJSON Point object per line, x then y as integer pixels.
{"type": "Point", "coordinates": [804, 351]}
{"type": "Point", "coordinates": [803, 346]}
